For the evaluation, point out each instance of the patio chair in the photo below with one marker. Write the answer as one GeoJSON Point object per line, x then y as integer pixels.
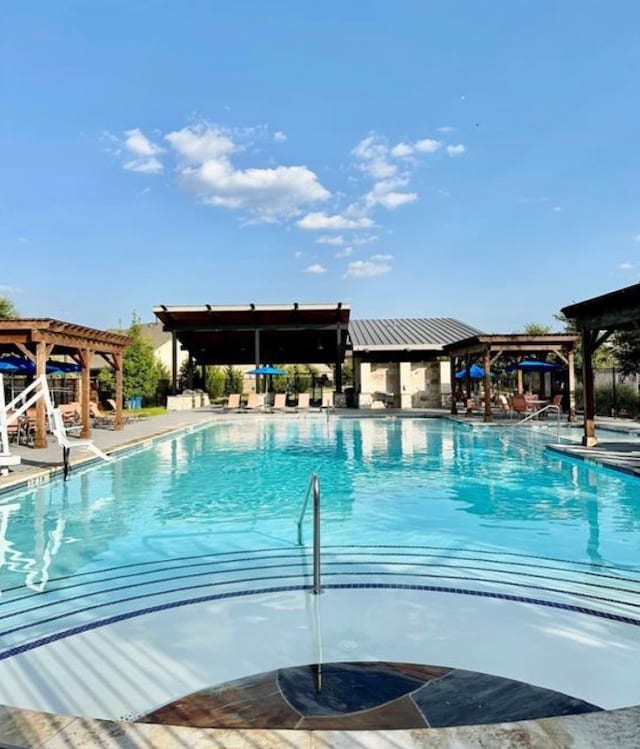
{"type": "Point", "coordinates": [519, 404]}
{"type": "Point", "coordinates": [279, 402]}
{"type": "Point", "coordinates": [504, 405]}
{"type": "Point", "coordinates": [303, 402]}
{"type": "Point", "coordinates": [255, 402]}
{"type": "Point", "coordinates": [100, 419]}
{"type": "Point", "coordinates": [233, 401]}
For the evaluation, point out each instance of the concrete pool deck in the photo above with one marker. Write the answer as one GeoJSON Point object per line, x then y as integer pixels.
{"type": "Point", "coordinates": [24, 728]}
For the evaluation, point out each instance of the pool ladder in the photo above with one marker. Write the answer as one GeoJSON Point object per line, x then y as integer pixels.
{"type": "Point", "coordinates": [314, 486]}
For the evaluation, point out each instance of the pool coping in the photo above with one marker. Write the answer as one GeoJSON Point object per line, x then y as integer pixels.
{"type": "Point", "coordinates": [28, 729]}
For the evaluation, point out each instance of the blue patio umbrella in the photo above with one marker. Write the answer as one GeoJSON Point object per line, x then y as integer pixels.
{"type": "Point", "coordinates": [17, 365]}
{"type": "Point", "coordinates": [266, 369]}
{"type": "Point", "coordinates": [533, 365]}
{"type": "Point", "coordinates": [475, 371]}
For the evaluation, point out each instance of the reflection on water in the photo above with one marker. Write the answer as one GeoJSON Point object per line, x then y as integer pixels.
{"type": "Point", "coordinates": [240, 486]}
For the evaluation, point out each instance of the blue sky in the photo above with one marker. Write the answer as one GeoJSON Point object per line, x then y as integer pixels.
{"type": "Point", "coordinates": [469, 159]}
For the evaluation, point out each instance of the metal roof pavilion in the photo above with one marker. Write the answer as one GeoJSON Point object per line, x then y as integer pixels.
{"type": "Point", "coordinates": [407, 334]}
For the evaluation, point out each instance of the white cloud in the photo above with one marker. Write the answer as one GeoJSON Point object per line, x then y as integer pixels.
{"type": "Point", "coordinates": [366, 269]}
{"type": "Point", "coordinates": [373, 154]}
{"type": "Point", "coordinates": [456, 150]}
{"type": "Point", "coordinates": [297, 253]}
{"type": "Point", "coordinates": [335, 241]}
{"type": "Point", "coordinates": [401, 150]}
{"type": "Point", "coordinates": [315, 268]}
{"type": "Point", "coordinates": [10, 290]}
{"type": "Point", "coordinates": [384, 193]}
{"type": "Point", "coordinates": [380, 258]}
{"type": "Point", "coordinates": [23, 240]}
{"type": "Point", "coordinates": [268, 194]}
{"type": "Point", "coordinates": [201, 143]}
{"type": "Point", "coordinates": [279, 136]}
{"type": "Point", "coordinates": [556, 209]}
{"type": "Point", "coordinates": [636, 237]}
{"type": "Point", "coordinates": [138, 144]}
{"type": "Point", "coordinates": [625, 266]}
{"type": "Point", "coordinates": [320, 220]}
{"type": "Point", "coordinates": [428, 145]}
{"type": "Point", "coordinates": [364, 239]}
{"type": "Point", "coordinates": [145, 152]}
{"type": "Point", "coordinates": [445, 129]}
{"type": "Point", "coordinates": [145, 166]}
{"type": "Point", "coordinates": [345, 252]}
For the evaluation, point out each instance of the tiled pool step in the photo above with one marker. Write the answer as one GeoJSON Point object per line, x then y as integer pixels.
{"type": "Point", "coordinates": [87, 600]}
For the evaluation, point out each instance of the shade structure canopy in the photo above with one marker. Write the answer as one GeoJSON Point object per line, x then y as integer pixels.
{"type": "Point", "coordinates": [533, 365]}
{"type": "Point", "coordinates": [475, 372]}
{"type": "Point", "coordinates": [267, 369]}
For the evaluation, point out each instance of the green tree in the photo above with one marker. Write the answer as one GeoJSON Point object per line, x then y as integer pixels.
{"type": "Point", "coordinates": [233, 380]}
{"type": "Point", "coordinates": [215, 382]}
{"type": "Point", "coordinates": [625, 347]}
{"type": "Point", "coordinates": [534, 328]}
{"type": "Point", "coordinates": [142, 374]}
{"type": "Point", "coordinates": [8, 309]}
{"type": "Point", "coordinates": [603, 356]}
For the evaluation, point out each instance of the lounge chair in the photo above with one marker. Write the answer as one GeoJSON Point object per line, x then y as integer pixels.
{"type": "Point", "coordinates": [303, 402]}
{"type": "Point", "coordinates": [100, 419]}
{"type": "Point", "coordinates": [255, 402]}
{"type": "Point", "coordinates": [233, 401]}
{"type": "Point", "coordinates": [279, 402]}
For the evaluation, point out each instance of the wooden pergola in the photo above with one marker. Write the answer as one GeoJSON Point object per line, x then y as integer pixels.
{"type": "Point", "coordinates": [486, 349]}
{"type": "Point", "coordinates": [38, 338]}
{"type": "Point", "coordinates": [597, 319]}
{"type": "Point", "coordinates": [258, 334]}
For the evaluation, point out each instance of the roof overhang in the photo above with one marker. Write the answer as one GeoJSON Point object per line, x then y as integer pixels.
{"type": "Point", "coordinates": [618, 310]}
{"type": "Point", "coordinates": [259, 333]}
{"type": "Point", "coordinates": [516, 342]}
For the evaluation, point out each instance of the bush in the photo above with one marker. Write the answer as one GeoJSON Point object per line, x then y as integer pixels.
{"type": "Point", "coordinates": [215, 382]}
{"type": "Point", "coordinates": [233, 380]}
{"type": "Point", "coordinates": [626, 400]}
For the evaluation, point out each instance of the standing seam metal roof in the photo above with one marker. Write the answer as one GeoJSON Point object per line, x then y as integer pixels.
{"type": "Point", "coordinates": [410, 332]}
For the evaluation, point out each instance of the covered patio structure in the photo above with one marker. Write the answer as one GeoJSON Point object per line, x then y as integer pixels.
{"type": "Point", "coordinates": [38, 338]}
{"type": "Point", "coordinates": [258, 334]}
{"type": "Point", "coordinates": [596, 320]}
{"type": "Point", "coordinates": [486, 349]}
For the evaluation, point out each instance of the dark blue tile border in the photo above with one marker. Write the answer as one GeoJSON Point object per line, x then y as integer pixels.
{"type": "Point", "coordinates": [292, 588]}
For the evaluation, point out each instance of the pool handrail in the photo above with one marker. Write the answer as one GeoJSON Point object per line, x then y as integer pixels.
{"type": "Point", "coordinates": [548, 407]}
{"type": "Point", "coordinates": [314, 485]}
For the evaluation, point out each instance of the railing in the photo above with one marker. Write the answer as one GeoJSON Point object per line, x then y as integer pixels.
{"type": "Point", "coordinates": [550, 407]}
{"type": "Point", "coordinates": [314, 486]}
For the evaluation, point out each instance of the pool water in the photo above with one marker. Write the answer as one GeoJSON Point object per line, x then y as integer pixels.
{"type": "Point", "coordinates": [419, 505]}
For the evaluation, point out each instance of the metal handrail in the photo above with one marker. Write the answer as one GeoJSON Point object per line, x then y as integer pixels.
{"type": "Point", "coordinates": [549, 407]}
{"type": "Point", "coordinates": [314, 485]}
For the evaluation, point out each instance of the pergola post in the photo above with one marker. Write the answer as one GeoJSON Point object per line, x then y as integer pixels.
{"type": "Point", "coordinates": [467, 382]}
{"type": "Point", "coordinates": [571, 377]}
{"type": "Point", "coordinates": [452, 374]}
{"type": "Point", "coordinates": [118, 421]}
{"type": "Point", "coordinates": [486, 364]}
{"type": "Point", "coordinates": [589, 437]}
{"type": "Point", "coordinates": [256, 349]}
{"type": "Point", "coordinates": [174, 363]}
{"type": "Point", "coordinates": [338, 357]}
{"type": "Point", "coordinates": [520, 385]}
{"type": "Point", "coordinates": [85, 414]}
{"type": "Point", "coordinates": [41, 369]}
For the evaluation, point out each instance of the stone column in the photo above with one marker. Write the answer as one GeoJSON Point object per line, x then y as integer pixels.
{"type": "Point", "coordinates": [405, 384]}
{"type": "Point", "coordinates": [364, 396]}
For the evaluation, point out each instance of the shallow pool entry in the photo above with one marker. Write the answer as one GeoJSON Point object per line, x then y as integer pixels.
{"type": "Point", "coordinates": [366, 696]}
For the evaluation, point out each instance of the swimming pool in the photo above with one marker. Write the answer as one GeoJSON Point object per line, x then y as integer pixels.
{"type": "Point", "coordinates": [455, 541]}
